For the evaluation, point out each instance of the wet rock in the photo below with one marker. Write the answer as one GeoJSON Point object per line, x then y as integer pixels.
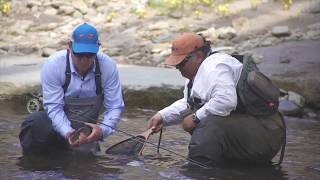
{"type": "Point", "coordinates": [296, 98]}
{"type": "Point", "coordinates": [281, 31]}
{"type": "Point", "coordinates": [284, 59]}
{"type": "Point", "coordinates": [289, 108]}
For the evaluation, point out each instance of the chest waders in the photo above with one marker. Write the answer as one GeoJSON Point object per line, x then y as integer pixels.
{"type": "Point", "coordinates": [85, 109]}
{"type": "Point", "coordinates": [195, 103]}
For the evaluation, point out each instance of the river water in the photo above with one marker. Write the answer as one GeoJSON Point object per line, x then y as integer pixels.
{"type": "Point", "coordinates": [302, 158]}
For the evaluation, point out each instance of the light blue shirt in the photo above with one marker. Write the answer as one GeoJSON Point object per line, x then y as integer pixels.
{"type": "Point", "coordinates": [53, 78]}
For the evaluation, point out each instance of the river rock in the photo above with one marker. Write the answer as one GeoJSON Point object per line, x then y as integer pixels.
{"type": "Point", "coordinates": [32, 3]}
{"type": "Point", "coordinates": [301, 75]}
{"type": "Point", "coordinates": [158, 26]}
{"type": "Point", "coordinates": [289, 108]}
{"type": "Point", "coordinates": [210, 34]}
{"type": "Point", "coordinates": [226, 33]}
{"type": "Point", "coordinates": [280, 31]}
{"type": "Point", "coordinates": [269, 41]}
{"type": "Point", "coordinates": [66, 10]}
{"type": "Point", "coordinates": [20, 27]}
{"type": "Point", "coordinates": [296, 98]}
{"type": "Point", "coordinates": [241, 23]}
{"type": "Point", "coordinates": [80, 5]}
{"type": "Point", "coordinates": [284, 59]}
{"type": "Point", "coordinates": [51, 11]}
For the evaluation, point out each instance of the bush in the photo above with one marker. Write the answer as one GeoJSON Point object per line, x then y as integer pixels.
{"type": "Point", "coordinates": [5, 7]}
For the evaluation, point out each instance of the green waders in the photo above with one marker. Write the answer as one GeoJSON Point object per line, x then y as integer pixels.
{"type": "Point", "coordinates": [236, 139]}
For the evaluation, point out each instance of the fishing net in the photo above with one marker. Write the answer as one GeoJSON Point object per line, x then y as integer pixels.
{"type": "Point", "coordinates": [131, 146]}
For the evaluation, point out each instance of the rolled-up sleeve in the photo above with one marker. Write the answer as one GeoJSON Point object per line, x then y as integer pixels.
{"type": "Point", "coordinates": [172, 114]}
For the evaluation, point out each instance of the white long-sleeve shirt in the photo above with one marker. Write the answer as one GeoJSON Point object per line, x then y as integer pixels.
{"type": "Point", "coordinates": [215, 84]}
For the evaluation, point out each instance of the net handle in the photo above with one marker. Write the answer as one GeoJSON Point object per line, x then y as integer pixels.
{"type": "Point", "coordinates": [146, 135]}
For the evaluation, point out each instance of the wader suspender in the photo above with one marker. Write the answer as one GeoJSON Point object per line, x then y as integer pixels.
{"type": "Point", "coordinates": [97, 74]}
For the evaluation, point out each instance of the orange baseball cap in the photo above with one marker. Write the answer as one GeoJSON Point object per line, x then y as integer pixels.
{"type": "Point", "coordinates": [182, 46]}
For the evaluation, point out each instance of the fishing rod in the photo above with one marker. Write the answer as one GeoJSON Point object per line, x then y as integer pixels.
{"type": "Point", "coordinates": [150, 143]}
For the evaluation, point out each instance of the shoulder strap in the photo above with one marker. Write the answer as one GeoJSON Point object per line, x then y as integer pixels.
{"type": "Point", "coordinates": [67, 73]}
{"type": "Point", "coordinates": [97, 74]}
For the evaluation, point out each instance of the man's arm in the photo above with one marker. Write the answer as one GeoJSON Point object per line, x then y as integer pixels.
{"type": "Point", "coordinates": [223, 96]}
{"type": "Point", "coordinates": [113, 100]}
{"type": "Point", "coordinates": [53, 96]}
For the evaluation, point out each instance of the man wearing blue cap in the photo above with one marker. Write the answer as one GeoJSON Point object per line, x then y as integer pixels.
{"type": "Point", "coordinates": [76, 83]}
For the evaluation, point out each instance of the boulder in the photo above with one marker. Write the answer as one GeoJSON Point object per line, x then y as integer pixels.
{"type": "Point", "coordinates": [280, 31]}
{"type": "Point", "coordinates": [289, 108]}
{"type": "Point", "coordinates": [301, 75]}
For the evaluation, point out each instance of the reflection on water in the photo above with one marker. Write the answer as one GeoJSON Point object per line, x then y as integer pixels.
{"type": "Point", "coordinates": [302, 159]}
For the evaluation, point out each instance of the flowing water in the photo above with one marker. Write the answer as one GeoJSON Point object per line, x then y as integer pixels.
{"type": "Point", "coordinates": [302, 158]}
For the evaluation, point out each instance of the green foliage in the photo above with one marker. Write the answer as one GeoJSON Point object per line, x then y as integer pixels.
{"type": "Point", "coordinates": [286, 4]}
{"type": "Point", "coordinates": [5, 7]}
{"type": "Point", "coordinates": [196, 6]}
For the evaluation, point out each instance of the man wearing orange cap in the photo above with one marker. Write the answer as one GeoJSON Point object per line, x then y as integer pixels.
{"type": "Point", "coordinates": [221, 134]}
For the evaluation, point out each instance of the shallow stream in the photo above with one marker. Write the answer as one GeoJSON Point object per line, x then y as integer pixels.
{"type": "Point", "coordinates": [302, 158]}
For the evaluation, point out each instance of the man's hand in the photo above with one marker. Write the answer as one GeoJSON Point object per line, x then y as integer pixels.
{"type": "Point", "coordinates": [76, 138]}
{"type": "Point", "coordinates": [96, 133]}
{"type": "Point", "coordinates": [188, 124]}
{"type": "Point", "coordinates": [156, 122]}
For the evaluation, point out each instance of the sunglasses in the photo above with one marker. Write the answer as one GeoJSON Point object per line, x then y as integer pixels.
{"type": "Point", "coordinates": [185, 60]}
{"type": "Point", "coordinates": [86, 55]}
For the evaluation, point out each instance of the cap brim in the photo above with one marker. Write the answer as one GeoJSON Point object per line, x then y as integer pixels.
{"type": "Point", "coordinates": [85, 48]}
{"type": "Point", "coordinates": [174, 60]}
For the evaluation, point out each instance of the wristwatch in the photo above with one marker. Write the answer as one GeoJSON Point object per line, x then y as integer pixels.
{"type": "Point", "coordinates": [195, 119]}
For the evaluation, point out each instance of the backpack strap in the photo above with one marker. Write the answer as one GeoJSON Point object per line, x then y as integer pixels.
{"type": "Point", "coordinates": [67, 73]}
{"type": "Point", "coordinates": [97, 75]}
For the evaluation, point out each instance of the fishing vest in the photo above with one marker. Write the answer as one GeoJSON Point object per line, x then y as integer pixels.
{"type": "Point", "coordinates": [257, 95]}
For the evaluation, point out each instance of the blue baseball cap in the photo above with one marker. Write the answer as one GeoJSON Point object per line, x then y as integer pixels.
{"type": "Point", "coordinates": [85, 39]}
